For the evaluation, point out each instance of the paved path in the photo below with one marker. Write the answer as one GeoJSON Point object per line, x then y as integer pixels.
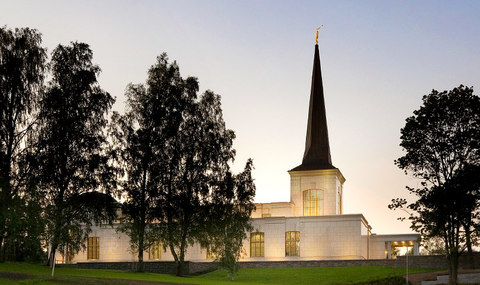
{"type": "Point", "coordinates": [470, 278]}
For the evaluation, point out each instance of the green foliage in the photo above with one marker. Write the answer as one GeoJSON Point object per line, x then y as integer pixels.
{"type": "Point", "coordinates": [197, 166]}
{"type": "Point", "coordinates": [433, 246]}
{"type": "Point", "coordinates": [229, 219]}
{"type": "Point", "coordinates": [70, 148]}
{"type": "Point", "coordinates": [442, 145]}
{"type": "Point", "coordinates": [22, 66]}
{"type": "Point", "coordinates": [174, 149]}
{"type": "Point", "coordinates": [144, 138]}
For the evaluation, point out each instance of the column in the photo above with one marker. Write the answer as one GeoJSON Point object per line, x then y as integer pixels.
{"type": "Point", "coordinates": [415, 248]}
{"type": "Point", "coordinates": [389, 250]}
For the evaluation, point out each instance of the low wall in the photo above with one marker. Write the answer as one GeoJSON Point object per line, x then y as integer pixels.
{"type": "Point", "coordinates": [169, 267]}
{"type": "Point", "coordinates": [316, 263]}
{"type": "Point", "coordinates": [435, 261]}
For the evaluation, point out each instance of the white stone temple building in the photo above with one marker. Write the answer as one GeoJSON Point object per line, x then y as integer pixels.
{"type": "Point", "coordinates": [311, 226]}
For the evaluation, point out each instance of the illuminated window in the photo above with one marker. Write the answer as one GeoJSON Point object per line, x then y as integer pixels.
{"type": "Point", "coordinates": [155, 251]}
{"type": "Point", "coordinates": [93, 248]}
{"type": "Point", "coordinates": [257, 245]}
{"type": "Point", "coordinates": [68, 255]}
{"type": "Point", "coordinates": [313, 202]}
{"type": "Point", "coordinates": [211, 255]}
{"type": "Point", "coordinates": [292, 244]}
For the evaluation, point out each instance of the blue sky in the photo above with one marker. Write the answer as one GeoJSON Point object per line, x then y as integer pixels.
{"type": "Point", "coordinates": [378, 59]}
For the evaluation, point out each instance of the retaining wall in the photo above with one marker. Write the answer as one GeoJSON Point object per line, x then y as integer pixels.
{"type": "Point", "coordinates": [169, 267]}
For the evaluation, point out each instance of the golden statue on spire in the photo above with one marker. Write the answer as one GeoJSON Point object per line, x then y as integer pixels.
{"type": "Point", "coordinates": [316, 37]}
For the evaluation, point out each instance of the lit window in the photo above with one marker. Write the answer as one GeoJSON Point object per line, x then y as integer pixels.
{"type": "Point", "coordinates": [93, 248]}
{"type": "Point", "coordinates": [67, 255]}
{"type": "Point", "coordinates": [292, 244]}
{"type": "Point", "coordinates": [257, 245]}
{"type": "Point", "coordinates": [210, 255]}
{"type": "Point", "coordinates": [313, 202]}
{"type": "Point", "coordinates": [155, 251]}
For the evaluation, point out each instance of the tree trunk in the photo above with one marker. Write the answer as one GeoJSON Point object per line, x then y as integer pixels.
{"type": "Point", "coordinates": [2, 258]}
{"type": "Point", "coordinates": [2, 248]}
{"type": "Point", "coordinates": [51, 257]}
{"type": "Point", "coordinates": [140, 250]}
{"type": "Point", "coordinates": [140, 261]}
{"type": "Point", "coordinates": [181, 268]}
{"type": "Point", "coordinates": [453, 268]}
{"type": "Point", "coordinates": [468, 241]}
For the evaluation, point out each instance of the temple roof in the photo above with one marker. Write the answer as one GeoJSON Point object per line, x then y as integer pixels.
{"type": "Point", "coordinates": [317, 147]}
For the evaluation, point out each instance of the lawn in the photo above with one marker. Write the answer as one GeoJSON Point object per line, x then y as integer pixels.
{"type": "Point", "coordinates": [24, 273]}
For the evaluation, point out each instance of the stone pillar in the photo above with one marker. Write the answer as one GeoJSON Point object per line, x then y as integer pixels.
{"type": "Point", "coordinates": [389, 250]}
{"type": "Point", "coordinates": [415, 248]}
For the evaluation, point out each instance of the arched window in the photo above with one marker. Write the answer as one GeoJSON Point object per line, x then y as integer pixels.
{"type": "Point", "coordinates": [312, 202]}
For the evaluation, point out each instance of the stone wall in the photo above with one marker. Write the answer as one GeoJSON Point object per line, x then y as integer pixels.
{"type": "Point", "coordinates": [435, 261]}
{"type": "Point", "coordinates": [169, 267]}
{"type": "Point", "coordinates": [316, 263]}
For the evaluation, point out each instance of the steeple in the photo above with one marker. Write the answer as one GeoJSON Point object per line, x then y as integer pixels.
{"type": "Point", "coordinates": [317, 148]}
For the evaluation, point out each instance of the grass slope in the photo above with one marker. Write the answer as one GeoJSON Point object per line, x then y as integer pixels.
{"type": "Point", "coordinates": [24, 273]}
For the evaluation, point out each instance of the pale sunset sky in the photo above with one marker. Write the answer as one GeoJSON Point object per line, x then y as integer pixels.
{"type": "Point", "coordinates": [378, 58]}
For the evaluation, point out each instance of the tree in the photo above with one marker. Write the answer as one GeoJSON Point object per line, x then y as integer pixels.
{"type": "Point", "coordinates": [433, 246]}
{"type": "Point", "coordinates": [71, 154]}
{"type": "Point", "coordinates": [22, 66]}
{"type": "Point", "coordinates": [142, 135]}
{"type": "Point", "coordinates": [175, 150]}
{"type": "Point", "coordinates": [442, 143]}
{"type": "Point", "coordinates": [198, 163]}
{"type": "Point", "coordinates": [229, 220]}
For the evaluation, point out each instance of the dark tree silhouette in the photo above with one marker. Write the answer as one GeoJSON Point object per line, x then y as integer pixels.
{"type": "Point", "coordinates": [22, 70]}
{"type": "Point", "coordinates": [442, 143]}
{"type": "Point", "coordinates": [175, 150]}
{"type": "Point", "coordinates": [142, 137]}
{"type": "Point", "coordinates": [71, 149]}
{"type": "Point", "coordinates": [200, 154]}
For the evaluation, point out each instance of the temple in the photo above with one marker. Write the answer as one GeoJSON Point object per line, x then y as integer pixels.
{"type": "Point", "coordinates": [311, 226]}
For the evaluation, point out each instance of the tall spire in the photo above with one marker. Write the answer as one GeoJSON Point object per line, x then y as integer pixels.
{"type": "Point", "coordinates": [317, 147]}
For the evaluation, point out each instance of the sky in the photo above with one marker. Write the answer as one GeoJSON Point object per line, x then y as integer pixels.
{"type": "Point", "coordinates": [378, 59]}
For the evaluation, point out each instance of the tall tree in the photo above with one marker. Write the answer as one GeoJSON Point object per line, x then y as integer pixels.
{"type": "Point", "coordinates": [22, 66]}
{"type": "Point", "coordinates": [142, 135]}
{"type": "Point", "coordinates": [71, 154]}
{"type": "Point", "coordinates": [199, 154]}
{"type": "Point", "coordinates": [228, 222]}
{"type": "Point", "coordinates": [442, 142]}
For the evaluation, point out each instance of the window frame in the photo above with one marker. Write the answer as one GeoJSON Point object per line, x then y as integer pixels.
{"type": "Point", "coordinates": [257, 245]}
{"type": "Point", "coordinates": [292, 243]}
{"type": "Point", "coordinates": [155, 251]}
{"type": "Point", "coordinates": [93, 247]}
{"type": "Point", "coordinates": [313, 205]}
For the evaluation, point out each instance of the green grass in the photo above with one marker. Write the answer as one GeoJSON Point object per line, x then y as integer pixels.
{"type": "Point", "coordinates": [311, 275]}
